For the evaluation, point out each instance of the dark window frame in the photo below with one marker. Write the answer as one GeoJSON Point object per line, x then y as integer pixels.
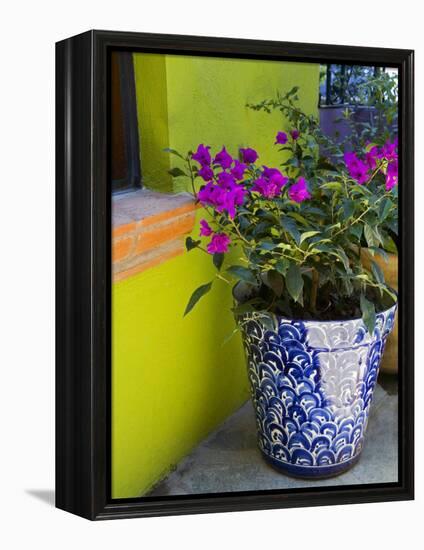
{"type": "Point", "coordinates": [132, 180]}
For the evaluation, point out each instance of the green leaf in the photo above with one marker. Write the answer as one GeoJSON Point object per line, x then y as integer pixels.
{"type": "Point", "coordinates": [361, 190]}
{"type": "Point", "coordinates": [242, 273]}
{"type": "Point", "coordinates": [275, 281]}
{"type": "Point", "coordinates": [290, 226]}
{"type": "Point", "coordinates": [262, 228]}
{"type": "Point", "coordinates": [333, 186]}
{"type": "Point", "coordinates": [293, 161]}
{"type": "Point", "coordinates": [308, 234]}
{"type": "Point", "coordinates": [218, 260]}
{"type": "Point", "coordinates": [348, 208]}
{"type": "Point", "coordinates": [298, 217]}
{"type": "Point", "coordinates": [293, 91]}
{"type": "Point", "coordinates": [314, 210]}
{"type": "Point", "coordinates": [266, 215]}
{"type": "Point", "coordinates": [173, 152]}
{"type": "Point", "coordinates": [377, 272]}
{"type": "Point", "coordinates": [370, 236]}
{"type": "Point", "coordinates": [368, 313]}
{"type": "Point", "coordinates": [266, 319]}
{"type": "Point", "coordinates": [195, 297]}
{"type": "Point", "coordinates": [176, 172]}
{"type": "Point", "coordinates": [190, 244]}
{"type": "Point", "coordinates": [294, 282]}
{"type": "Point", "coordinates": [247, 307]}
{"type": "Point", "coordinates": [356, 230]}
{"type": "Point", "coordinates": [266, 245]}
{"type": "Point", "coordinates": [341, 254]}
{"type": "Point", "coordinates": [384, 209]}
{"type": "Point", "coordinates": [282, 266]}
{"type": "Point", "coordinates": [320, 247]}
{"type": "Point", "coordinates": [390, 245]}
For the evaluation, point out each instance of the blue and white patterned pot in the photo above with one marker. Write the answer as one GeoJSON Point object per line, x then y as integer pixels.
{"type": "Point", "coordinates": [312, 384]}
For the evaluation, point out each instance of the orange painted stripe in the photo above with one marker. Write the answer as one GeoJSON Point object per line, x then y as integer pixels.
{"type": "Point", "coordinates": [121, 248]}
{"type": "Point", "coordinates": [147, 240]}
{"type": "Point", "coordinates": [142, 266]}
{"type": "Point", "coordinates": [121, 230]}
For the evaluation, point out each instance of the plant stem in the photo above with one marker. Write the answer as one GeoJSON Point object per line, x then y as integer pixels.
{"type": "Point", "coordinates": [219, 276]}
{"type": "Point", "coordinates": [191, 177]}
{"type": "Point", "coordinates": [314, 289]}
{"type": "Point", "coordinates": [239, 234]}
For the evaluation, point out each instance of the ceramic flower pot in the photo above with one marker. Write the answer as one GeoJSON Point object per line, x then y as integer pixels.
{"type": "Point", "coordinates": [312, 384]}
{"type": "Point", "coordinates": [389, 362]}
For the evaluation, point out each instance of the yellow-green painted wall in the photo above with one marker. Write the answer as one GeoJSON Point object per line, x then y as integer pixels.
{"type": "Point", "coordinates": [173, 380]}
{"type": "Point", "coordinates": [184, 101]}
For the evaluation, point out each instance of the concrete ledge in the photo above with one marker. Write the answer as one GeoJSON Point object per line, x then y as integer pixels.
{"type": "Point", "coordinates": [148, 228]}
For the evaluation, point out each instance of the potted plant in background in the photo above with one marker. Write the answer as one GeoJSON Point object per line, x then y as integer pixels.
{"type": "Point", "coordinates": [357, 104]}
{"type": "Point", "coordinates": [366, 147]}
{"type": "Point", "coordinates": [314, 318]}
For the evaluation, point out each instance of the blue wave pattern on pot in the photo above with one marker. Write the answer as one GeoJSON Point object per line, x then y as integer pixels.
{"type": "Point", "coordinates": [312, 385]}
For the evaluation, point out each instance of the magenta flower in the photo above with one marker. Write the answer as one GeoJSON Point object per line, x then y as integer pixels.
{"type": "Point", "coordinates": [270, 183]}
{"type": "Point", "coordinates": [391, 175]}
{"type": "Point", "coordinates": [261, 186]}
{"type": "Point", "coordinates": [388, 151]}
{"type": "Point", "coordinates": [224, 159]}
{"type": "Point", "coordinates": [206, 173]}
{"type": "Point", "coordinates": [238, 170]}
{"type": "Point", "coordinates": [218, 244]}
{"type": "Point", "coordinates": [226, 180]}
{"type": "Point", "coordinates": [281, 138]}
{"type": "Point", "coordinates": [249, 156]}
{"type": "Point", "coordinates": [357, 169]}
{"type": "Point", "coordinates": [275, 176]}
{"type": "Point", "coordinates": [371, 157]}
{"type": "Point", "coordinates": [235, 197]}
{"type": "Point", "coordinates": [222, 198]}
{"type": "Point", "coordinates": [298, 192]}
{"type": "Point", "coordinates": [202, 155]}
{"type": "Point", "coordinates": [294, 134]}
{"type": "Point", "coordinates": [205, 229]}
{"type": "Point", "coordinates": [211, 194]}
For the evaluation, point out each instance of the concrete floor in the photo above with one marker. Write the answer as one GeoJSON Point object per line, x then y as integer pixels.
{"type": "Point", "coordinates": [229, 459]}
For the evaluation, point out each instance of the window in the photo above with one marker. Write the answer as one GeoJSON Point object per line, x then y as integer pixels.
{"type": "Point", "coordinates": [125, 154]}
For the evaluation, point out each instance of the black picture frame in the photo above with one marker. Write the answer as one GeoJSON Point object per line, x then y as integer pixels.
{"type": "Point", "coordinates": [83, 278]}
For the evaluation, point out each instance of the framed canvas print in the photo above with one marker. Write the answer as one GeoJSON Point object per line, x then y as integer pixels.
{"type": "Point", "coordinates": [234, 274]}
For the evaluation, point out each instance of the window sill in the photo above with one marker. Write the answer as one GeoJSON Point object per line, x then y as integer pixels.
{"type": "Point", "coordinates": [148, 228]}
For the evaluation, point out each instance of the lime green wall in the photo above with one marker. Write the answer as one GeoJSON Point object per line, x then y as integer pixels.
{"type": "Point", "coordinates": [203, 100]}
{"type": "Point", "coordinates": [172, 379]}
{"type": "Point", "coordinates": [152, 113]}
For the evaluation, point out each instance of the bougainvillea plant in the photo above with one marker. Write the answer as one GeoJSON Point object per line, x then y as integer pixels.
{"type": "Point", "coordinates": [366, 147]}
{"type": "Point", "coordinates": [294, 236]}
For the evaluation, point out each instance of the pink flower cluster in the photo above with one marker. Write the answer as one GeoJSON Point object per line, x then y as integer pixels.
{"type": "Point", "coordinates": [298, 192]}
{"type": "Point", "coordinates": [224, 188]}
{"type": "Point", "coordinates": [219, 241]}
{"type": "Point", "coordinates": [222, 191]}
{"type": "Point", "coordinates": [270, 183]}
{"type": "Point", "coordinates": [361, 170]}
{"type": "Point", "coordinates": [281, 137]}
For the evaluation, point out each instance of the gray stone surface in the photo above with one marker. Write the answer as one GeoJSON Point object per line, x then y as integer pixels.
{"type": "Point", "coordinates": [229, 459]}
{"type": "Point", "coordinates": [143, 203]}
